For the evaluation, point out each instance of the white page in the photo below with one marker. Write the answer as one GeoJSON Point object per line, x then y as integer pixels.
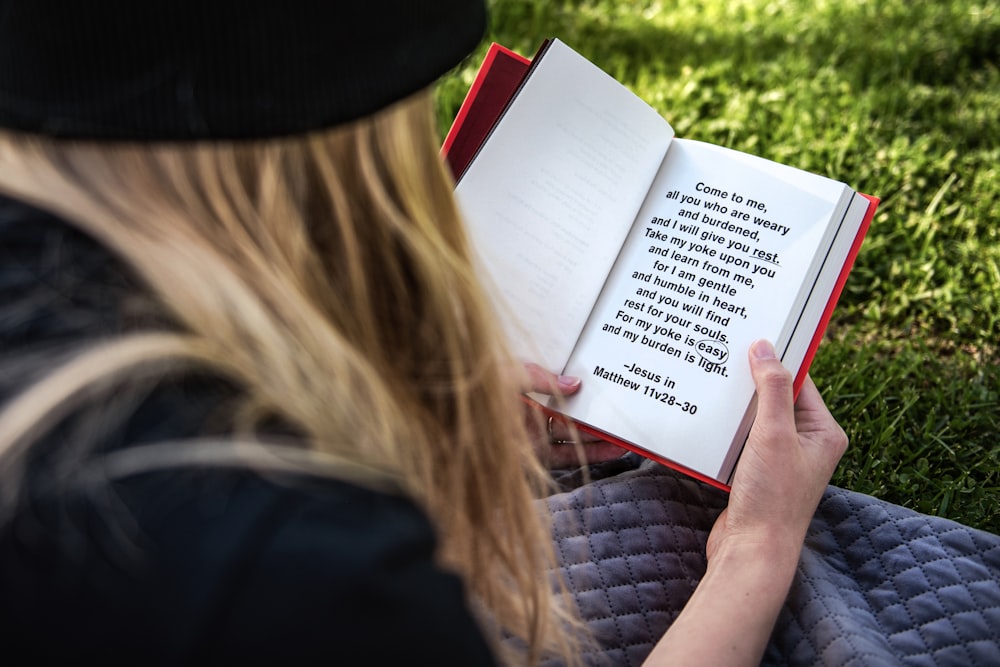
{"type": "Point", "coordinates": [692, 336]}
{"type": "Point", "coordinates": [552, 193]}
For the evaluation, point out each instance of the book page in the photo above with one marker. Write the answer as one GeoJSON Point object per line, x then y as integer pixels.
{"type": "Point", "coordinates": [724, 251]}
{"type": "Point", "coordinates": [552, 194]}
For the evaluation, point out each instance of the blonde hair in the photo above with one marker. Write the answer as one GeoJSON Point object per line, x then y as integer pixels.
{"type": "Point", "coordinates": [329, 276]}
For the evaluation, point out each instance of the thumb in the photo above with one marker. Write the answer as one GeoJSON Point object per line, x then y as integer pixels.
{"type": "Point", "coordinates": [775, 409]}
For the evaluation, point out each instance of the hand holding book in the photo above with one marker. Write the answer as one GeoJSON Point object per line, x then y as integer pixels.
{"type": "Point", "coordinates": [756, 542]}
{"type": "Point", "coordinates": [559, 443]}
{"type": "Point", "coordinates": [646, 264]}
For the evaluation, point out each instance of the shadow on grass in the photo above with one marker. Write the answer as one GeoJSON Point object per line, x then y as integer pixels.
{"type": "Point", "coordinates": [925, 44]}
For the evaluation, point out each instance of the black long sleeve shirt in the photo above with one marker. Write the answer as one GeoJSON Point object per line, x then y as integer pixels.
{"type": "Point", "coordinates": [187, 564]}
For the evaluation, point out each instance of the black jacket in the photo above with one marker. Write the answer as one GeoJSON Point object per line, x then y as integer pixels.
{"type": "Point", "coordinates": [188, 565]}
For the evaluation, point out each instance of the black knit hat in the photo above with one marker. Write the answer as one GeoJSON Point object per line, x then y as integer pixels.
{"type": "Point", "coordinates": [219, 69]}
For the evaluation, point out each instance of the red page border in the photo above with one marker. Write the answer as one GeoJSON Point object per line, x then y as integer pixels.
{"type": "Point", "coordinates": [495, 50]}
{"type": "Point", "coordinates": [831, 304]}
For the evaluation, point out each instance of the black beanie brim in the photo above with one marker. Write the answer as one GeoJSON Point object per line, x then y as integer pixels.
{"type": "Point", "coordinates": [219, 69]}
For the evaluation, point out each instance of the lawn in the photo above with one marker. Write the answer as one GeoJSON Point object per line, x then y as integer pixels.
{"type": "Point", "coordinates": [898, 99]}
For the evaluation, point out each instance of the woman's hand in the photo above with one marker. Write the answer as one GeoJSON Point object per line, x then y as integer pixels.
{"type": "Point", "coordinates": [756, 542]}
{"type": "Point", "coordinates": [786, 463]}
{"type": "Point", "coordinates": [557, 440]}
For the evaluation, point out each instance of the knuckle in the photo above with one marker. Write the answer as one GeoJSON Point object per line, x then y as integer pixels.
{"type": "Point", "coordinates": [841, 441]}
{"type": "Point", "coordinates": [775, 377]}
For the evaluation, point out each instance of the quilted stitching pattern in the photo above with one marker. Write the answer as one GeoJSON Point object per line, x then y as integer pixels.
{"type": "Point", "coordinates": [877, 584]}
{"type": "Point", "coordinates": [880, 584]}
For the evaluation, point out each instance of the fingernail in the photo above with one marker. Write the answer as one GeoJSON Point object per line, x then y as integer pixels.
{"type": "Point", "coordinates": [568, 382]}
{"type": "Point", "coordinates": [763, 350]}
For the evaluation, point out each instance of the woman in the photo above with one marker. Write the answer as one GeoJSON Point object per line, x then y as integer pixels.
{"type": "Point", "coordinates": [254, 403]}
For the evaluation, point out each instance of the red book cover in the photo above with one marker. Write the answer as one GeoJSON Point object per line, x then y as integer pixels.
{"type": "Point", "coordinates": [800, 377]}
{"type": "Point", "coordinates": [497, 81]}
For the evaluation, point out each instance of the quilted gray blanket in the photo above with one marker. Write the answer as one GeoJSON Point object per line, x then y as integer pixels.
{"type": "Point", "coordinates": [877, 584]}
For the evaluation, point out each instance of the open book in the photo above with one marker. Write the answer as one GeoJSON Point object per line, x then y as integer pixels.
{"type": "Point", "coordinates": [644, 263]}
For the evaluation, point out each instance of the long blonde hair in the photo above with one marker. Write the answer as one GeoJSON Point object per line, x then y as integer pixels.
{"type": "Point", "coordinates": [329, 276]}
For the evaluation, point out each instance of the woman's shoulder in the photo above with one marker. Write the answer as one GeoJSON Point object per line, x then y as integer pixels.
{"type": "Point", "coordinates": [39, 247]}
{"type": "Point", "coordinates": [193, 563]}
{"type": "Point", "coordinates": [188, 563]}
{"type": "Point", "coordinates": [58, 285]}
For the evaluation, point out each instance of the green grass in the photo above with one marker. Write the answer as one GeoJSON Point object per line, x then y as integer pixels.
{"type": "Point", "coordinates": [899, 99]}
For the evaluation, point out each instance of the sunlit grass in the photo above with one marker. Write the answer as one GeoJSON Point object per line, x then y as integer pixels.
{"type": "Point", "coordinates": [899, 99]}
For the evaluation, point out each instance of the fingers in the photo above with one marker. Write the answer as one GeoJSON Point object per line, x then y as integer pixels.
{"type": "Point", "coordinates": [546, 382]}
{"type": "Point", "coordinates": [809, 397]}
{"type": "Point", "coordinates": [570, 455]}
{"type": "Point", "coordinates": [808, 425]}
{"type": "Point", "coordinates": [810, 410]}
{"type": "Point", "coordinates": [558, 443]}
{"type": "Point", "coordinates": [570, 446]}
{"type": "Point", "coordinates": [561, 431]}
{"type": "Point", "coordinates": [817, 425]}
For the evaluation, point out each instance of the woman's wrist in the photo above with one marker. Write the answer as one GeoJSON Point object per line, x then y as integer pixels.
{"type": "Point", "coordinates": [731, 615]}
{"type": "Point", "coordinates": [756, 567]}
{"type": "Point", "coordinates": [778, 549]}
